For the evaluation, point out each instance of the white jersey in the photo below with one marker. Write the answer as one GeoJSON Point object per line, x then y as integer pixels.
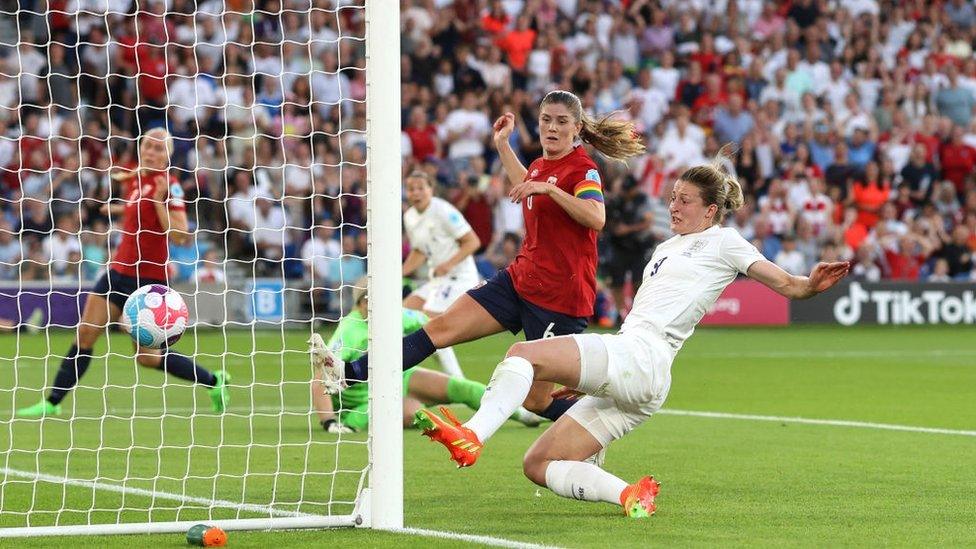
{"type": "Point", "coordinates": [435, 233]}
{"type": "Point", "coordinates": [683, 279]}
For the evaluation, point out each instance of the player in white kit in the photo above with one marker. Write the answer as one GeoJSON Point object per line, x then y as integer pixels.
{"type": "Point", "coordinates": [440, 237]}
{"type": "Point", "coordinates": [625, 377]}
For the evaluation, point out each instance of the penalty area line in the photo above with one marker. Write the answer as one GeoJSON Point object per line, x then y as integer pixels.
{"type": "Point", "coordinates": [471, 538]}
{"type": "Point", "coordinates": [830, 422]}
{"type": "Point", "coordinates": [153, 494]}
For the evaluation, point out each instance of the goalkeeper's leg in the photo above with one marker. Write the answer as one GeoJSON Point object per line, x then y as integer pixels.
{"type": "Point", "coordinates": [437, 388]}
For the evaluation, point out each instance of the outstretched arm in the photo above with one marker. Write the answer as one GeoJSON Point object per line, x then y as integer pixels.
{"type": "Point", "coordinates": [822, 278]}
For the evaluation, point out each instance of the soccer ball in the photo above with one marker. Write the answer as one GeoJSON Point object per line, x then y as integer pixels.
{"type": "Point", "coordinates": [155, 316]}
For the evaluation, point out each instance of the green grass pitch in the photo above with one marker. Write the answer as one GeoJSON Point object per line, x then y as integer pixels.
{"type": "Point", "coordinates": [725, 481]}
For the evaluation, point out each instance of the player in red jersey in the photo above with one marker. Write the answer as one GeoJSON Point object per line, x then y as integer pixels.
{"type": "Point", "coordinates": [154, 213]}
{"type": "Point", "coordinates": [550, 288]}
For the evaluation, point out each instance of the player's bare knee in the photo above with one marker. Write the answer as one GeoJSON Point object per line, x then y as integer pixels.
{"type": "Point", "coordinates": [88, 335]}
{"type": "Point", "coordinates": [534, 465]}
{"type": "Point", "coordinates": [149, 361]}
{"type": "Point", "coordinates": [522, 349]}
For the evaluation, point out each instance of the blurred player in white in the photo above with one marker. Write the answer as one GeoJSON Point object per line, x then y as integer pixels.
{"type": "Point", "coordinates": [440, 237]}
{"type": "Point", "coordinates": [626, 376]}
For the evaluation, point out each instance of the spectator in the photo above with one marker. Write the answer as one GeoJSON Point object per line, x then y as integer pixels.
{"type": "Point", "coordinates": [957, 253]}
{"type": "Point", "coordinates": [683, 144]}
{"type": "Point", "coordinates": [631, 240]}
{"type": "Point", "coordinates": [955, 101]}
{"type": "Point", "coordinates": [62, 248]}
{"type": "Point", "coordinates": [869, 195]}
{"type": "Point", "coordinates": [653, 104]}
{"type": "Point", "coordinates": [790, 258]}
{"type": "Point", "coordinates": [465, 132]}
{"type": "Point", "coordinates": [905, 262]}
{"type": "Point", "coordinates": [866, 268]}
{"type": "Point", "coordinates": [268, 233]}
{"type": "Point", "coordinates": [958, 160]}
{"type": "Point", "coordinates": [211, 268]}
{"type": "Point", "coordinates": [94, 250]}
{"type": "Point", "coordinates": [821, 148]}
{"type": "Point", "coordinates": [473, 201]}
{"type": "Point", "coordinates": [517, 44]}
{"type": "Point", "coordinates": [920, 176]}
{"type": "Point", "coordinates": [940, 271]}
{"type": "Point", "coordinates": [861, 147]}
{"type": "Point", "coordinates": [319, 255]}
{"type": "Point", "coordinates": [732, 123]}
{"type": "Point", "coordinates": [10, 252]}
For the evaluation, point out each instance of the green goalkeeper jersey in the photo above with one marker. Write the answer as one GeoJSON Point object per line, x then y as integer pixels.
{"type": "Point", "coordinates": [351, 337]}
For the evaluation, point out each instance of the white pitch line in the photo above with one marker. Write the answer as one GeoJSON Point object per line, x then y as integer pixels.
{"type": "Point", "coordinates": [483, 540]}
{"type": "Point", "coordinates": [153, 413]}
{"type": "Point", "coordinates": [908, 353]}
{"type": "Point", "coordinates": [128, 490]}
{"type": "Point", "coordinates": [830, 422]}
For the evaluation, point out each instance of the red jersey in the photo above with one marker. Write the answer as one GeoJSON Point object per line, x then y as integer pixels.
{"type": "Point", "coordinates": [144, 249]}
{"type": "Point", "coordinates": [556, 267]}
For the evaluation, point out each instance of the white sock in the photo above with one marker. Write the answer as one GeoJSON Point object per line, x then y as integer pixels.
{"type": "Point", "coordinates": [449, 362]}
{"type": "Point", "coordinates": [506, 391]}
{"type": "Point", "coordinates": [583, 481]}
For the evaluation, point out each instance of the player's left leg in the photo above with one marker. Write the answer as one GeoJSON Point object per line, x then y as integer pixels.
{"type": "Point", "coordinates": [556, 461]}
{"type": "Point", "coordinates": [184, 367]}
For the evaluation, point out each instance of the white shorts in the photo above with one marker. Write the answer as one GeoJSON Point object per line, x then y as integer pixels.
{"type": "Point", "coordinates": [626, 379]}
{"type": "Point", "coordinates": [439, 294]}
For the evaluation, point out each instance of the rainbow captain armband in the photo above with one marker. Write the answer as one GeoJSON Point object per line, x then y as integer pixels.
{"type": "Point", "coordinates": [590, 188]}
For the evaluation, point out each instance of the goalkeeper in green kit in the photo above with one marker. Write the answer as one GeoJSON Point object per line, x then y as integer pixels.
{"type": "Point", "coordinates": [347, 411]}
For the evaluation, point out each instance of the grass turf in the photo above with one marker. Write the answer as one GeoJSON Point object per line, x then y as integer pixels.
{"type": "Point", "coordinates": [729, 482]}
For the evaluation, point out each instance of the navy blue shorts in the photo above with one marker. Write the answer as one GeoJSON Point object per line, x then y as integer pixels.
{"type": "Point", "coordinates": [117, 286]}
{"type": "Point", "coordinates": [499, 298]}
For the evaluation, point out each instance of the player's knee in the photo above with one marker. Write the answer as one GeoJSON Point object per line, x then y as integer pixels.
{"type": "Point", "coordinates": [522, 349]}
{"type": "Point", "coordinates": [149, 360]}
{"type": "Point", "coordinates": [87, 336]}
{"type": "Point", "coordinates": [534, 465]}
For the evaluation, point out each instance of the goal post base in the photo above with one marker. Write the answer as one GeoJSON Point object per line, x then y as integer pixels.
{"type": "Point", "coordinates": [286, 523]}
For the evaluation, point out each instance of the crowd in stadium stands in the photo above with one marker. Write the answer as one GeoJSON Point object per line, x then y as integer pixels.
{"type": "Point", "coordinates": [855, 123]}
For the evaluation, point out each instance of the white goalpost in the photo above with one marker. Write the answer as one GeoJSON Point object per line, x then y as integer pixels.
{"type": "Point", "coordinates": [285, 118]}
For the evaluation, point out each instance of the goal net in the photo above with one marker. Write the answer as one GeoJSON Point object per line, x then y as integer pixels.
{"type": "Point", "coordinates": [278, 139]}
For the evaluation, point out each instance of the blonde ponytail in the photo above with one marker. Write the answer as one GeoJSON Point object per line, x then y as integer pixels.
{"type": "Point", "coordinates": [614, 138]}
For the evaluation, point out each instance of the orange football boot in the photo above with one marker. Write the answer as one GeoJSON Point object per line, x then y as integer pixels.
{"type": "Point", "coordinates": [638, 498]}
{"type": "Point", "coordinates": [458, 439]}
